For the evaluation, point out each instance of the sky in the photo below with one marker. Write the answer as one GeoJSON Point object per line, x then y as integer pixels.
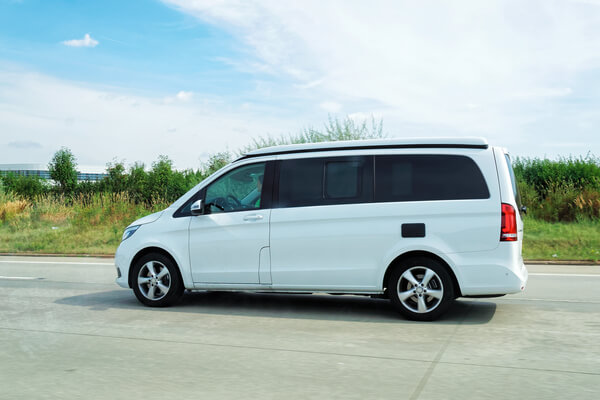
{"type": "Point", "coordinates": [132, 80]}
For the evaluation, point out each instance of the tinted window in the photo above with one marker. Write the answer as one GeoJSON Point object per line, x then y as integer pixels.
{"type": "Point", "coordinates": [428, 177]}
{"type": "Point", "coordinates": [301, 182]}
{"type": "Point", "coordinates": [323, 181]}
{"type": "Point", "coordinates": [342, 179]}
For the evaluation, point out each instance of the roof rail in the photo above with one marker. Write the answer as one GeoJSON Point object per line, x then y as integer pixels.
{"type": "Point", "coordinates": [404, 143]}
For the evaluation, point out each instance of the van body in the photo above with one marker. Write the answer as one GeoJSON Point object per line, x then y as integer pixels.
{"type": "Point", "coordinates": [420, 221]}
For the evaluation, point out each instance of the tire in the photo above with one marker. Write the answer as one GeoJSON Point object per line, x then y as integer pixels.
{"type": "Point", "coordinates": [157, 281]}
{"type": "Point", "coordinates": [421, 289]}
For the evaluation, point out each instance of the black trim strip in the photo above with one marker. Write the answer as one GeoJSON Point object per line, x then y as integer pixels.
{"type": "Point", "coordinates": [266, 196]}
{"type": "Point", "coordinates": [367, 147]}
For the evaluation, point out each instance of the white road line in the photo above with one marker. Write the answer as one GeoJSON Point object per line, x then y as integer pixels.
{"type": "Point", "coordinates": [20, 277]}
{"type": "Point", "coordinates": [550, 300]}
{"type": "Point", "coordinates": [581, 275]}
{"type": "Point", "coordinates": [53, 262]}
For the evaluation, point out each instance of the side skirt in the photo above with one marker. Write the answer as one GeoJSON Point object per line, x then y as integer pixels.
{"type": "Point", "coordinates": [270, 289]}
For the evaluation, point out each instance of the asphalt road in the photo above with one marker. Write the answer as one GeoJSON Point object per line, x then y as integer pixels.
{"type": "Point", "coordinates": [68, 332]}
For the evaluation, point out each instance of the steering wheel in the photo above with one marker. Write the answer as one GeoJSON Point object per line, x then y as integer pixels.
{"type": "Point", "coordinates": [227, 203]}
{"type": "Point", "coordinates": [233, 202]}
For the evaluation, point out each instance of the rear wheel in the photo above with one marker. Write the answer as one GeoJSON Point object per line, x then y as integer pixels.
{"type": "Point", "coordinates": [421, 289]}
{"type": "Point", "coordinates": [157, 282]}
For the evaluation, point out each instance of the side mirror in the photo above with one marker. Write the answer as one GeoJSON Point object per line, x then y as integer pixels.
{"type": "Point", "coordinates": [524, 209]}
{"type": "Point", "coordinates": [197, 208]}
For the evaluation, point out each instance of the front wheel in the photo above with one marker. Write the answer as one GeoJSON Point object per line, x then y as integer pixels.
{"type": "Point", "coordinates": [421, 289]}
{"type": "Point", "coordinates": [157, 282]}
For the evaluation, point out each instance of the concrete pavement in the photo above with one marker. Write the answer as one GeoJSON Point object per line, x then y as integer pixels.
{"type": "Point", "coordinates": [67, 331]}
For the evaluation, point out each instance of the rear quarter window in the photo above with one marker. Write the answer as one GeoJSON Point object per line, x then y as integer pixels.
{"type": "Point", "coordinates": [428, 177]}
{"type": "Point", "coordinates": [513, 181]}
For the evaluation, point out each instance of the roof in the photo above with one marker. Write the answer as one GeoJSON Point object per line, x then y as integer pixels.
{"type": "Point", "coordinates": [411, 143]}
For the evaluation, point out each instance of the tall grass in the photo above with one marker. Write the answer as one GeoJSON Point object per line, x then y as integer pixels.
{"type": "Point", "coordinates": [565, 190]}
{"type": "Point", "coordinates": [544, 174]}
{"type": "Point", "coordinates": [54, 224]}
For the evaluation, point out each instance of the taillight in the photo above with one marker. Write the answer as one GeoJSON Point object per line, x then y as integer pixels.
{"type": "Point", "coordinates": [508, 230]}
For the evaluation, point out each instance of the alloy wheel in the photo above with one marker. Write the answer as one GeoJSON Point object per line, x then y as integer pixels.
{"type": "Point", "coordinates": [420, 289]}
{"type": "Point", "coordinates": [154, 280]}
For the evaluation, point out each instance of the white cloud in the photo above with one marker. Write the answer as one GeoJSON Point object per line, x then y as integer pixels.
{"type": "Point", "coordinates": [99, 124]}
{"type": "Point", "coordinates": [184, 96]}
{"type": "Point", "coordinates": [331, 106]}
{"type": "Point", "coordinates": [309, 85]}
{"type": "Point", "coordinates": [362, 116]}
{"type": "Point", "coordinates": [422, 65]}
{"type": "Point", "coordinates": [545, 92]}
{"type": "Point", "coordinates": [181, 96]}
{"type": "Point", "coordinates": [87, 41]}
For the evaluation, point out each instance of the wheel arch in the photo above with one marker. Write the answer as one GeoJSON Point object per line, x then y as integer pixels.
{"type": "Point", "coordinates": [421, 253]}
{"type": "Point", "coordinates": [148, 250]}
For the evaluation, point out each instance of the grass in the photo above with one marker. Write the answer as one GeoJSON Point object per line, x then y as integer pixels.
{"type": "Point", "coordinates": [94, 225]}
{"type": "Point", "coordinates": [561, 240]}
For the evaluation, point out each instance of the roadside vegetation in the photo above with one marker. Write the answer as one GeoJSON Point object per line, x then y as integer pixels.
{"type": "Point", "coordinates": [69, 217]}
{"type": "Point", "coordinates": [51, 224]}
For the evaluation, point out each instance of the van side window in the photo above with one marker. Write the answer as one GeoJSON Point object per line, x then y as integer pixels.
{"type": "Point", "coordinates": [301, 182]}
{"type": "Point", "coordinates": [325, 181]}
{"type": "Point", "coordinates": [237, 190]}
{"type": "Point", "coordinates": [428, 177]}
{"type": "Point", "coordinates": [342, 179]}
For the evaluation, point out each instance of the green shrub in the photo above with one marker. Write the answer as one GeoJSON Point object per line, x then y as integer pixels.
{"type": "Point", "coordinates": [544, 174]}
{"type": "Point", "coordinates": [25, 186]}
{"type": "Point", "coordinates": [564, 190]}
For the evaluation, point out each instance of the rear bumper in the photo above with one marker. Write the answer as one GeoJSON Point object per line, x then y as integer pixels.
{"type": "Point", "coordinates": [500, 271]}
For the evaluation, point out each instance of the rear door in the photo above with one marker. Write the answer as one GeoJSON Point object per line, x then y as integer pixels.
{"type": "Point", "coordinates": [454, 197]}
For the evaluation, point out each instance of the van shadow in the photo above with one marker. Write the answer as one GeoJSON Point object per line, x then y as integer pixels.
{"type": "Point", "coordinates": [295, 306]}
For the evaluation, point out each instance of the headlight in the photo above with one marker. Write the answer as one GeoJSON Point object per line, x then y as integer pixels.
{"type": "Point", "coordinates": [130, 231]}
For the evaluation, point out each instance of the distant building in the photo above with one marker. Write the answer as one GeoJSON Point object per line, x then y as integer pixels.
{"type": "Point", "coordinates": [84, 173]}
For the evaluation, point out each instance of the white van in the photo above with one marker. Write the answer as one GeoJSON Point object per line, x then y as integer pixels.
{"type": "Point", "coordinates": [419, 221]}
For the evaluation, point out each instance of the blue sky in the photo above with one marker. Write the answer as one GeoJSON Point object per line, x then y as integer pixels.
{"type": "Point", "coordinates": [188, 78]}
{"type": "Point", "coordinates": [143, 45]}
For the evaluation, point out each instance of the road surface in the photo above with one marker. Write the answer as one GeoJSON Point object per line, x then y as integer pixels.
{"type": "Point", "coordinates": [67, 331]}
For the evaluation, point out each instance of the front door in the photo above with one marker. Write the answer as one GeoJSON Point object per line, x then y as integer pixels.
{"type": "Point", "coordinates": [225, 242]}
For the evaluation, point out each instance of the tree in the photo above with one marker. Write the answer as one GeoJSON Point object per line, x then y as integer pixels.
{"type": "Point", "coordinates": [215, 162]}
{"type": "Point", "coordinates": [164, 183]}
{"type": "Point", "coordinates": [116, 181]}
{"type": "Point", "coordinates": [334, 130]}
{"type": "Point", "coordinates": [137, 183]}
{"type": "Point", "coordinates": [63, 170]}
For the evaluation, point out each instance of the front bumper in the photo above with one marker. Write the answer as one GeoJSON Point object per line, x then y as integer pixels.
{"type": "Point", "coordinates": [122, 263]}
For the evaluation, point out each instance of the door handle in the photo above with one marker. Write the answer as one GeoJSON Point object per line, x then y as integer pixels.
{"type": "Point", "coordinates": [253, 217]}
